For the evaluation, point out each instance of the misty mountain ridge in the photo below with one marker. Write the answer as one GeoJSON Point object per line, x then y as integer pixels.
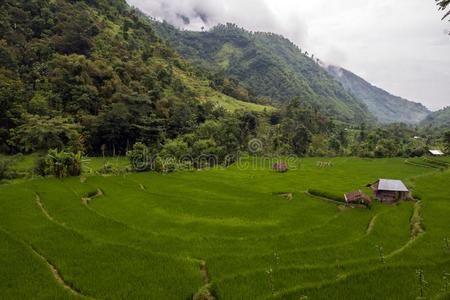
{"type": "Point", "coordinates": [386, 107]}
{"type": "Point", "coordinates": [268, 65]}
{"type": "Point", "coordinates": [438, 119]}
{"type": "Point", "coordinates": [272, 66]}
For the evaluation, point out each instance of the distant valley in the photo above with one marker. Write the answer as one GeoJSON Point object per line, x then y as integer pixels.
{"type": "Point", "coordinates": [386, 107]}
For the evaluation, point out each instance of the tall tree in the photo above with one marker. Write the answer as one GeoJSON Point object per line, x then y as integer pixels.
{"type": "Point", "coordinates": [447, 141]}
{"type": "Point", "coordinates": [443, 4]}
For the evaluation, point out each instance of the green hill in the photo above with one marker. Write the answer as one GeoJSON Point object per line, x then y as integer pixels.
{"type": "Point", "coordinates": [385, 107]}
{"type": "Point", "coordinates": [268, 65]}
{"type": "Point", "coordinates": [438, 119]}
{"type": "Point", "coordinates": [98, 69]}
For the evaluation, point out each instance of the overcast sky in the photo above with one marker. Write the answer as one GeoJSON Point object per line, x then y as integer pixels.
{"type": "Point", "coordinates": [401, 46]}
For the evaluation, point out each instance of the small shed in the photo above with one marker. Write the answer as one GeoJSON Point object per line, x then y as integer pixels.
{"type": "Point", "coordinates": [390, 190]}
{"type": "Point", "coordinates": [436, 152]}
{"type": "Point", "coordinates": [357, 197]}
{"type": "Point", "coordinates": [280, 167]}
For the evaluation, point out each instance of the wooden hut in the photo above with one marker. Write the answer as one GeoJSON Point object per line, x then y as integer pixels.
{"type": "Point", "coordinates": [280, 167]}
{"type": "Point", "coordinates": [436, 152]}
{"type": "Point", "coordinates": [390, 191]}
{"type": "Point", "coordinates": [357, 197]}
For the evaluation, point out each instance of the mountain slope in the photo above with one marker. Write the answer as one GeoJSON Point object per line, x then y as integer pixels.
{"type": "Point", "coordinates": [438, 119]}
{"type": "Point", "coordinates": [269, 65]}
{"type": "Point", "coordinates": [97, 69]}
{"type": "Point", "coordinates": [385, 107]}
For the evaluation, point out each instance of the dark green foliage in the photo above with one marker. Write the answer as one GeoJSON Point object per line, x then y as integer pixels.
{"type": "Point", "coordinates": [140, 158]}
{"type": "Point", "coordinates": [6, 171]}
{"type": "Point", "coordinates": [437, 121]}
{"type": "Point", "coordinates": [446, 141]}
{"type": "Point", "coordinates": [42, 133]}
{"type": "Point", "coordinates": [232, 88]}
{"type": "Point", "coordinates": [390, 141]}
{"type": "Point", "coordinates": [60, 164]}
{"type": "Point", "coordinates": [108, 168]}
{"type": "Point", "coordinates": [267, 65]}
{"type": "Point", "coordinates": [99, 62]}
{"type": "Point", "coordinates": [93, 76]}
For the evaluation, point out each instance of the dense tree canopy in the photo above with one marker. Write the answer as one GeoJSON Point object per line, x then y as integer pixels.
{"type": "Point", "coordinates": [94, 76]}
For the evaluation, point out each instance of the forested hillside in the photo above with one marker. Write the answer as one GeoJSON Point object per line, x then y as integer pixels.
{"type": "Point", "coordinates": [268, 65]}
{"type": "Point", "coordinates": [438, 120]}
{"type": "Point", "coordinates": [385, 107]}
{"type": "Point", "coordinates": [94, 75]}
{"type": "Point", "coordinates": [98, 78]}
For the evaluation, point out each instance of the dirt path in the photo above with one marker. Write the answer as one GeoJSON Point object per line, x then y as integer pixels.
{"type": "Point", "coordinates": [416, 229]}
{"type": "Point", "coordinates": [55, 272]}
{"type": "Point", "coordinates": [87, 200]}
{"type": "Point", "coordinates": [43, 209]}
{"type": "Point", "coordinates": [204, 272]}
{"type": "Point", "coordinates": [371, 224]}
{"type": "Point", "coordinates": [205, 292]}
{"type": "Point", "coordinates": [57, 275]}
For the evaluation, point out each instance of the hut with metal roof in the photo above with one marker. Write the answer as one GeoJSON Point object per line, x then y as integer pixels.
{"type": "Point", "coordinates": [390, 190]}
{"type": "Point", "coordinates": [436, 152]}
{"type": "Point", "coordinates": [280, 167]}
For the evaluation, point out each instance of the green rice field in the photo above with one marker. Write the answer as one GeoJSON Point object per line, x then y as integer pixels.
{"type": "Point", "coordinates": [244, 232]}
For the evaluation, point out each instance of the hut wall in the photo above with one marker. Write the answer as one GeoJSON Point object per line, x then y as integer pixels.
{"type": "Point", "coordinates": [386, 196]}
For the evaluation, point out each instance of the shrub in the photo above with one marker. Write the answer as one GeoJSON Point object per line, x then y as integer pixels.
{"type": "Point", "coordinates": [60, 164]}
{"type": "Point", "coordinates": [170, 164]}
{"type": "Point", "coordinates": [5, 169]}
{"type": "Point", "coordinates": [139, 158]}
{"type": "Point", "coordinates": [327, 195]}
{"type": "Point", "coordinates": [175, 149]}
{"type": "Point", "coordinates": [108, 168]}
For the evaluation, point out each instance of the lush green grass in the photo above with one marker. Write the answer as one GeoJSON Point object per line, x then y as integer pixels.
{"type": "Point", "coordinates": [144, 236]}
{"type": "Point", "coordinates": [207, 94]}
{"type": "Point", "coordinates": [25, 164]}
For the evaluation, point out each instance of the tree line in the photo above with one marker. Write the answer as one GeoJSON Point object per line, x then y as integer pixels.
{"type": "Point", "coordinates": [93, 77]}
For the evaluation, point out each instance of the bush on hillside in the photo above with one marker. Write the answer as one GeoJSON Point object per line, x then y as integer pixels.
{"type": "Point", "coordinates": [60, 164]}
{"type": "Point", "coordinates": [139, 158]}
{"type": "Point", "coordinates": [5, 169]}
{"type": "Point", "coordinates": [109, 169]}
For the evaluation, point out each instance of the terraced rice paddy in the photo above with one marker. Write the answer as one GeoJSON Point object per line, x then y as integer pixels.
{"type": "Point", "coordinates": [153, 236]}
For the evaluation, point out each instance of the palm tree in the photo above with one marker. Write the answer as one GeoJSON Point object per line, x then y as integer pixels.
{"type": "Point", "coordinates": [443, 6]}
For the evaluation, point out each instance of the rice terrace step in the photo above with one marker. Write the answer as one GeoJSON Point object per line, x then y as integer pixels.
{"type": "Point", "coordinates": [253, 240]}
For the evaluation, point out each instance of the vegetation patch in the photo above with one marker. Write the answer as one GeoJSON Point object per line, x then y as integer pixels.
{"type": "Point", "coordinates": [417, 227]}
{"type": "Point", "coordinates": [91, 196]}
{"type": "Point", "coordinates": [326, 195]}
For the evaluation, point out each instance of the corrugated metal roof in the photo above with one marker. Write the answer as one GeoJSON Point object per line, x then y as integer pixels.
{"type": "Point", "coordinates": [436, 152]}
{"type": "Point", "coordinates": [392, 185]}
